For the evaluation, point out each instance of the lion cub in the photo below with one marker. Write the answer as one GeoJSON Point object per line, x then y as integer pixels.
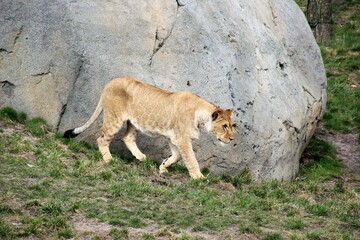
{"type": "Point", "coordinates": [146, 108]}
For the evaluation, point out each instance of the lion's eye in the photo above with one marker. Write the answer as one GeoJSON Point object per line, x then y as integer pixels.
{"type": "Point", "coordinates": [225, 126]}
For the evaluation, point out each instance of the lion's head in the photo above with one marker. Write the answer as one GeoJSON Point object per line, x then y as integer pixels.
{"type": "Point", "coordinates": [222, 126]}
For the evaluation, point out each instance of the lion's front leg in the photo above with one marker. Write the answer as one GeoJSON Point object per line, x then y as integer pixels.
{"type": "Point", "coordinates": [186, 150]}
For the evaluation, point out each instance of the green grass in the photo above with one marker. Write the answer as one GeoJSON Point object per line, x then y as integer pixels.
{"type": "Point", "coordinates": [323, 164]}
{"type": "Point", "coordinates": [37, 126]}
{"type": "Point", "coordinates": [342, 62]}
{"type": "Point", "coordinates": [341, 58]}
{"type": "Point", "coordinates": [8, 113]}
{"type": "Point", "coordinates": [295, 223]}
{"type": "Point", "coordinates": [47, 182]}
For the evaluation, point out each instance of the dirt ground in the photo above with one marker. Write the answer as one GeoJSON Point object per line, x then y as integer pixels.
{"type": "Point", "coordinates": [347, 149]}
{"type": "Point", "coordinates": [86, 228]}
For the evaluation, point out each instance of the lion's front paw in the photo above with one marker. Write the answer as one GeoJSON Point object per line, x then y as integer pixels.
{"type": "Point", "coordinates": [162, 169]}
{"type": "Point", "coordinates": [107, 158]}
{"type": "Point", "coordinates": [140, 157]}
{"type": "Point", "coordinates": [197, 175]}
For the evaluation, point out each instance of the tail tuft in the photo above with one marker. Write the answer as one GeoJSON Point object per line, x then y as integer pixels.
{"type": "Point", "coordinates": [70, 134]}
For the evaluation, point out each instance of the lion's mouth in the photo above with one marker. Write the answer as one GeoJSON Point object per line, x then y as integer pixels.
{"type": "Point", "coordinates": [223, 141]}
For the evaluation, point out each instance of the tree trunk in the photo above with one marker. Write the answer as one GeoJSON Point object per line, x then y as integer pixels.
{"type": "Point", "coordinates": [319, 16]}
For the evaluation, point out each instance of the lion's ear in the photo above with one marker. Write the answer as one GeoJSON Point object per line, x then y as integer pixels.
{"type": "Point", "coordinates": [215, 115]}
{"type": "Point", "coordinates": [229, 112]}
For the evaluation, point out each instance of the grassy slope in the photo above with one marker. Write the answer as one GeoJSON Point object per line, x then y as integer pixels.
{"type": "Point", "coordinates": [48, 185]}
{"type": "Point", "coordinates": [342, 61]}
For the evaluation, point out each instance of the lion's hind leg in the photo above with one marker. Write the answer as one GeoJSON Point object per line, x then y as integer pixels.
{"type": "Point", "coordinates": [130, 141]}
{"type": "Point", "coordinates": [109, 129]}
{"type": "Point", "coordinates": [174, 158]}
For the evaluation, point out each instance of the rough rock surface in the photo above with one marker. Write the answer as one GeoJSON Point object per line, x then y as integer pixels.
{"type": "Point", "coordinates": [258, 57]}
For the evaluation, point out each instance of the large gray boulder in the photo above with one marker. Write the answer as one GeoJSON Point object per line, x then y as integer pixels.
{"type": "Point", "coordinates": [258, 57]}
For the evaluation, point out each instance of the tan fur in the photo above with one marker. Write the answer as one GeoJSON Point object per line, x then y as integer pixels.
{"type": "Point", "coordinates": [146, 108]}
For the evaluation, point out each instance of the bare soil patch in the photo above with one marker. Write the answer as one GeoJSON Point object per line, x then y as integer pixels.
{"type": "Point", "coordinates": [86, 228]}
{"type": "Point", "coordinates": [347, 149]}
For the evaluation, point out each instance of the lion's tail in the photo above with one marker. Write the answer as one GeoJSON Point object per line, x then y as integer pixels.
{"type": "Point", "coordinates": [71, 133]}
